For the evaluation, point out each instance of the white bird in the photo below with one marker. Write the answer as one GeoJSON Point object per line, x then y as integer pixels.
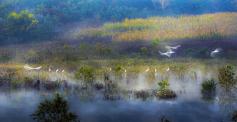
{"type": "Point", "coordinates": [155, 70]}
{"type": "Point", "coordinates": [172, 48]}
{"type": "Point", "coordinates": [110, 69]}
{"type": "Point", "coordinates": [27, 67]}
{"type": "Point", "coordinates": [214, 52]}
{"type": "Point", "coordinates": [62, 71]}
{"type": "Point", "coordinates": [168, 53]}
{"type": "Point", "coordinates": [125, 71]}
{"type": "Point", "coordinates": [49, 69]}
{"type": "Point", "coordinates": [57, 70]}
{"type": "Point", "coordinates": [168, 69]}
{"type": "Point", "coordinates": [147, 70]}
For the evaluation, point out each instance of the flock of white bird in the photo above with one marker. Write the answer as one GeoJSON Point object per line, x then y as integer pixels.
{"type": "Point", "coordinates": [171, 50]}
{"type": "Point", "coordinates": [31, 68]}
{"type": "Point", "coordinates": [27, 67]}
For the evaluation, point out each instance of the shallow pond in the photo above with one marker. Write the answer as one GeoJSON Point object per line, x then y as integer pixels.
{"type": "Point", "coordinates": [90, 106]}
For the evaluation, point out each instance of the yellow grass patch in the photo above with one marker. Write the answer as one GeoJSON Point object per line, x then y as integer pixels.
{"type": "Point", "coordinates": [207, 26]}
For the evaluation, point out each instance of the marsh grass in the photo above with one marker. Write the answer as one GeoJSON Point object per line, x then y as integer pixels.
{"type": "Point", "coordinates": [86, 74]}
{"type": "Point", "coordinates": [178, 67]}
{"type": "Point", "coordinates": [209, 89]}
{"type": "Point", "coordinates": [202, 27]}
{"type": "Point", "coordinates": [227, 76]}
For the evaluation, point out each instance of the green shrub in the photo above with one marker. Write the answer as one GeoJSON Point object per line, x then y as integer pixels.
{"type": "Point", "coordinates": [144, 50]}
{"type": "Point", "coordinates": [86, 74]}
{"type": "Point", "coordinates": [163, 85]}
{"type": "Point", "coordinates": [164, 92]}
{"type": "Point", "coordinates": [118, 69]}
{"type": "Point", "coordinates": [155, 42]}
{"type": "Point", "coordinates": [226, 76]}
{"type": "Point", "coordinates": [209, 86]}
{"type": "Point", "coordinates": [208, 89]}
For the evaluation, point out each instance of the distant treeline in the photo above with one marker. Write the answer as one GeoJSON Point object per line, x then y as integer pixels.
{"type": "Point", "coordinates": [28, 20]}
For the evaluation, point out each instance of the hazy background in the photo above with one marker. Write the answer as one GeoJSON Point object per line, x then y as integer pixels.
{"type": "Point", "coordinates": [43, 20]}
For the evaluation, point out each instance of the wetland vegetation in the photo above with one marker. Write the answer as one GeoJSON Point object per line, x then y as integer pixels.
{"type": "Point", "coordinates": [118, 60]}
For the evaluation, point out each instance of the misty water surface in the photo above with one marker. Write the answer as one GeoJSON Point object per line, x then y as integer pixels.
{"type": "Point", "coordinates": [17, 105]}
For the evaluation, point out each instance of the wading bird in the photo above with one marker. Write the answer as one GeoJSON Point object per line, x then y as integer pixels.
{"type": "Point", "coordinates": [168, 69]}
{"type": "Point", "coordinates": [57, 70]}
{"type": "Point", "coordinates": [27, 67]}
{"type": "Point", "coordinates": [63, 71]}
{"type": "Point", "coordinates": [147, 70]}
{"type": "Point", "coordinates": [214, 52]}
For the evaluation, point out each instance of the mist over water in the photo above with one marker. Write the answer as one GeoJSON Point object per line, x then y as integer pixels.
{"type": "Point", "coordinates": [105, 57]}
{"type": "Point", "coordinates": [188, 106]}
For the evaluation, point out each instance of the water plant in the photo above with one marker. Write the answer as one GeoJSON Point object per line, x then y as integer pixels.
{"type": "Point", "coordinates": [99, 86]}
{"type": "Point", "coordinates": [142, 94]}
{"type": "Point", "coordinates": [164, 92]}
{"type": "Point", "coordinates": [208, 89]}
{"type": "Point", "coordinates": [55, 110]}
{"type": "Point", "coordinates": [86, 73]}
{"type": "Point", "coordinates": [163, 85]}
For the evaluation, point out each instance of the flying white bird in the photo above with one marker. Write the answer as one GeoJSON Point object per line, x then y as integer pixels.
{"type": "Point", "coordinates": [147, 70]}
{"type": "Point", "coordinates": [168, 53]}
{"type": "Point", "coordinates": [214, 52]}
{"type": "Point", "coordinates": [27, 67]}
{"type": "Point", "coordinates": [172, 48]}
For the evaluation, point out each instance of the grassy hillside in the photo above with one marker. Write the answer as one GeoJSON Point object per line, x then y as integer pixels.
{"type": "Point", "coordinates": [136, 38]}
{"type": "Point", "coordinates": [201, 27]}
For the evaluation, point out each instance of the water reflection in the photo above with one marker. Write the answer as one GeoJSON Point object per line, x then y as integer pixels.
{"type": "Point", "coordinates": [18, 105]}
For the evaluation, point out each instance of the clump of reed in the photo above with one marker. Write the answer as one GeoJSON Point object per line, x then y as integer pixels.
{"type": "Point", "coordinates": [164, 92]}
{"type": "Point", "coordinates": [208, 89]}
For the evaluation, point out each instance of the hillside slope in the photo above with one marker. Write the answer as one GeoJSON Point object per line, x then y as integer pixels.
{"type": "Point", "coordinates": [201, 27]}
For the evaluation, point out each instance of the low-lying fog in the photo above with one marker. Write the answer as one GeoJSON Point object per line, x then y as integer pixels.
{"type": "Point", "coordinates": [18, 105]}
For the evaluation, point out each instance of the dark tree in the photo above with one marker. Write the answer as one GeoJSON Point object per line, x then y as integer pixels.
{"type": "Point", "coordinates": [55, 110]}
{"type": "Point", "coordinates": [234, 116]}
